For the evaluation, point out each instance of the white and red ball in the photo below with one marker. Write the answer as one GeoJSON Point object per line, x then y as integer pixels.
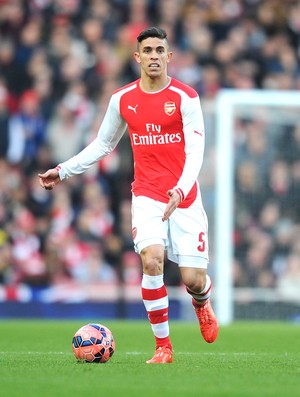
{"type": "Point", "coordinates": [93, 343]}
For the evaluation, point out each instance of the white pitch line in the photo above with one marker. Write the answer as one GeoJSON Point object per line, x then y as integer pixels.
{"type": "Point", "coordinates": [211, 353]}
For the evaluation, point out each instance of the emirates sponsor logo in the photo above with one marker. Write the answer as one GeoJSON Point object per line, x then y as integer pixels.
{"type": "Point", "coordinates": [170, 108]}
{"type": "Point", "coordinates": [151, 139]}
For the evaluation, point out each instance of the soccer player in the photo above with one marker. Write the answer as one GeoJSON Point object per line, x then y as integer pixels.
{"type": "Point", "coordinates": [165, 124]}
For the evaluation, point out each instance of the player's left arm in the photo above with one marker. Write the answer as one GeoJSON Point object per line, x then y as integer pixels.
{"type": "Point", "coordinates": [194, 133]}
{"type": "Point", "coordinates": [193, 129]}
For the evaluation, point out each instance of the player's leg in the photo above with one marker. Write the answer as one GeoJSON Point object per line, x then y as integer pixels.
{"type": "Point", "coordinates": [198, 285]}
{"type": "Point", "coordinates": [155, 298]}
{"type": "Point", "coordinates": [150, 238]}
{"type": "Point", "coordinates": [188, 246]}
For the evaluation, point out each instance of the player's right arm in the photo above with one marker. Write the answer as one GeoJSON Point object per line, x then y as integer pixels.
{"type": "Point", "coordinates": [109, 134]}
{"type": "Point", "coordinates": [49, 178]}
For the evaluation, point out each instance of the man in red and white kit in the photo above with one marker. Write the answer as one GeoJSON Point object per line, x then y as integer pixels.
{"type": "Point", "coordinates": [165, 123]}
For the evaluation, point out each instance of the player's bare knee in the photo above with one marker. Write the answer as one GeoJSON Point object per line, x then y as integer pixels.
{"type": "Point", "coordinates": [152, 269]}
{"type": "Point", "coordinates": [196, 286]}
{"type": "Point", "coordinates": [195, 281]}
{"type": "Point", "coordinates": [153, 263]}
{"type": "Point", "coordinates": [152, 266]}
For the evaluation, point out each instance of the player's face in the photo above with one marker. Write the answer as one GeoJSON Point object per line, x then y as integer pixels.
{"type": "Point", "coordinates": [153, 56]}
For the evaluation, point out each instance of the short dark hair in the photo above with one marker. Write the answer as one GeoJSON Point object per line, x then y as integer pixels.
{"type": "Point", "coordinates": [152, 32]}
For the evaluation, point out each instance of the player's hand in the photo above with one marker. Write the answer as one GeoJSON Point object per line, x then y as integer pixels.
{"type": "Point", "coordinates": [49, 179]}
{"type": "Point", "coordinates": [172, 204]}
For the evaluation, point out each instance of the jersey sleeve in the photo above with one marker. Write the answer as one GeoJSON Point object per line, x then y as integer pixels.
{"type": "Point", "coordinates": [110, 132]}
{"type": "Point", "coordinates": [193, 129]}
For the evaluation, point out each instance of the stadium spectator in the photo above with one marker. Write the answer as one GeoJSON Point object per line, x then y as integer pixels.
{"type": "Point", "coordinates": [131, 268]}
{"type": "Point", "coordinates": [13, 73]}
{"type": "Point", "coordinates": [64, 131]}
{"type": "Point", "coordinates": [5, 130]}
{"type": "Point", "coordinates": [30, 126]}
{"type": "Point", "coordinates": [30, 266]}
{"type": "Point", "coordinates": [5, 255]}
{"type": "Point", "coordinates": [289, 281]}
{"type": "Point", "coordinates": [94, 220]}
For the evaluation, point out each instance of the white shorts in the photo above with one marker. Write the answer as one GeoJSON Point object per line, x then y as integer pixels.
{"type": "Point", "coordinates": [184, 235]}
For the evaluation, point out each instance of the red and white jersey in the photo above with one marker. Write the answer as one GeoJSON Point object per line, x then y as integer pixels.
{"type": "Point", "coordinates": [167, 137]}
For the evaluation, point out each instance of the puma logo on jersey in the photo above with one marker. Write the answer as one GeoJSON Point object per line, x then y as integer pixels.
{"type": "Point", "coordinates": [132, 108]}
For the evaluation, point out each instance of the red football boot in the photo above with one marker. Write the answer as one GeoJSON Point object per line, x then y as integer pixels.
{"type": "Point", "coordinates": [207, 320]}
{"type": "Point", "coordinates": [163, 355]}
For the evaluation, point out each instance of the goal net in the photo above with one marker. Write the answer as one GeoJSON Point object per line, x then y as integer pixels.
{"type": "Point", "coordinates": [254, 207]}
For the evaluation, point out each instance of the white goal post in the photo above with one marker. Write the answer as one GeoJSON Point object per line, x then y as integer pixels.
{"type": "Point", "coordinates": [227, 101]}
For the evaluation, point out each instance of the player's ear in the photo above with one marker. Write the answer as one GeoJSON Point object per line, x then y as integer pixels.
{"type": "Point", "coordinates": [170, 55]}
{"type": "Point", "coordinates": [137, 57]}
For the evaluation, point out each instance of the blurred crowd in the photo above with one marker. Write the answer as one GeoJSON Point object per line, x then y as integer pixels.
{"type": "Point", "coordinates": [267, 201]}
{"type": "Point", "coordinates": [60, 60]}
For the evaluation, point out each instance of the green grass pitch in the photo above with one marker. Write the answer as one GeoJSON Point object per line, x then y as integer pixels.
{"type": "Point", "coordinates": [249, 359]}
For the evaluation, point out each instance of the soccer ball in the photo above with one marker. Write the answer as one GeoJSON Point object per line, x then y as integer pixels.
{"type": "Point", "coordinates": [93, 343]}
